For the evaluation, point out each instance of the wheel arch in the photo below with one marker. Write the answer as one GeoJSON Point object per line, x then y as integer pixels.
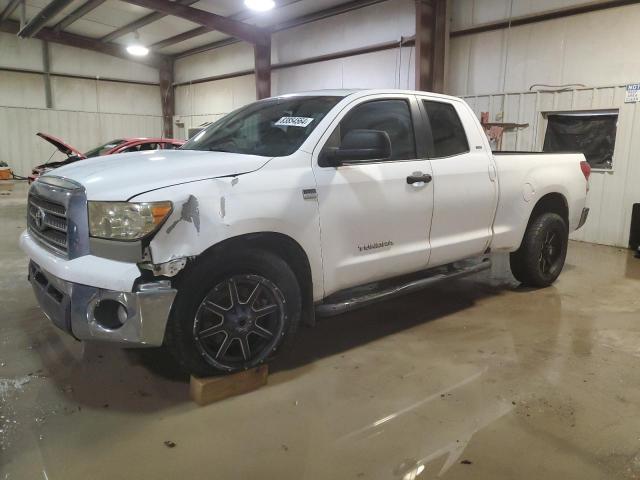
{"type": "Point", "coordinates": [283, 246]}
{"type": "Point", "coordinates": [553, 202]}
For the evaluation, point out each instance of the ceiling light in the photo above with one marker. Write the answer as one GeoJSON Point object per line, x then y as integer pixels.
{"type": "Point", "coordinates": [260, 5]}
{"type": "Point", "coordinates": [137, 50]}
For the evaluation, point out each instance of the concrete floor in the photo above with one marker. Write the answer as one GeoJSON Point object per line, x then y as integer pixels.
{"type": "Point", "coordinates": [472, 379]}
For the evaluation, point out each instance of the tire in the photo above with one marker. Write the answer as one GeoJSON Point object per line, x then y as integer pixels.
{"type": "Point", "coordinates": [541, 256]}
{"type": "Point", "coordinates": [233, 312]}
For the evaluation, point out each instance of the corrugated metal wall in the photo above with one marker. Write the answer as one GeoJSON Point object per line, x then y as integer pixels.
{"type": "Point", "coordinates": [612, 193]}
{"type": "Point", "coordinates": [22, 149]}
{"type": "Point", "coordinates": [205, 102]}
{"type": "Point", "coordinates": [588, 49]}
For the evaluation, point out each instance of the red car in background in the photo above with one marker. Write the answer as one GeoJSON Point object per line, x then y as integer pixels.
{"type": "Point", "coordinates": [121, 145]}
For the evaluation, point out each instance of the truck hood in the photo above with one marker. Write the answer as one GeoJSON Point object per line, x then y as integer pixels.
{"type": "Point", "coordinates": [123, 176]}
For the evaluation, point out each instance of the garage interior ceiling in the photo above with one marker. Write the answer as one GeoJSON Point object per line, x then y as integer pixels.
{"type": "Point", "coordinates": [113, 23]}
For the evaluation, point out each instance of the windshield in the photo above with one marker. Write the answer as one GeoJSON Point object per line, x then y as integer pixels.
{"type": "Point", "coordinates": [271, 128]}
{"type": "Point", "coordinates": [102, 149]}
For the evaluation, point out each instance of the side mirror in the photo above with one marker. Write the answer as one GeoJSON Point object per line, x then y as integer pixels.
{"type": "Point", "coordinates": [358, 146]}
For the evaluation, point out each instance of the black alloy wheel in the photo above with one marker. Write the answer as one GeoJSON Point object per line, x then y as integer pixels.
{"type": "Point", "coordinates": [550, 252]}
{"type": "Point", "coordinates": [542, 253]}
{"type": "Point", "coordinates": [239, 322]}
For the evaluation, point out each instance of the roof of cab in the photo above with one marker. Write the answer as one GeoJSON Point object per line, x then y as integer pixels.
{"type": "Point", "coordinates": [361, 92]}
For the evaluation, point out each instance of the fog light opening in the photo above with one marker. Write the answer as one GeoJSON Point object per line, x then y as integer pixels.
{"type": "Point", "coordinates": [110, 314]}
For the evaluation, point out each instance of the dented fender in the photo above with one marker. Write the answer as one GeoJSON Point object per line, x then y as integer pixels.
{"type": "Point", "coordinates": [210, 211]}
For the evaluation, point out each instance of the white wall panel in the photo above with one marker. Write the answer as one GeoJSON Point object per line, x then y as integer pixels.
{"type": "Point", "coordinates": [27, 54]}
{"type": "Point", "coordinates": [381, 23]}
{"type": "Point", "coordinates": [115, 97]}
{"type": "Point", "coordinates": [612, 193]}
{"type": "Point", "coordinates": [206, 102]}
{"type": "Point", "coordinates": [471, 13]}
{"type": "Point", "coordinates": [591, 49]}
{"type": "Point", "coordinates": [19, 89]}
{"type": "Point", "coordinates": [19, 53]}
{"type": "Point", "coordinates": [73, 94]}
{"type": "Point", "coordinates": [234, 58]}
{"type": "Point", "coordinates": [84, 62]}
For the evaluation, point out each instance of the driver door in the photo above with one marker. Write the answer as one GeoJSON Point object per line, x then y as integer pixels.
{"type": "Point", "coordinates": [374, 217]}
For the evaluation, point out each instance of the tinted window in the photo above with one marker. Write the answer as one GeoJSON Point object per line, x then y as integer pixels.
{"type": "Point", "coordinates": [141, 147]}
{"type": "Point", "coordinates": [272, 128]}
{"type": "Point", "coordinates": [449, 137]}
{"type": "Point", "coordinates": [391, 116]}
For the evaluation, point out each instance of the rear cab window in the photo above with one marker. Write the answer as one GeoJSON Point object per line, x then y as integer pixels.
{"type": "Point", "coordinates": [447, 132]}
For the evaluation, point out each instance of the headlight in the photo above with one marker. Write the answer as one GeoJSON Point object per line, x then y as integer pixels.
{"type": "Point", "coordinates": [126, 220]}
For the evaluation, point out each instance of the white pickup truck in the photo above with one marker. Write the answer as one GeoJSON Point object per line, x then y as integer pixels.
{"type": "Point", "coordinates": [309, 203]}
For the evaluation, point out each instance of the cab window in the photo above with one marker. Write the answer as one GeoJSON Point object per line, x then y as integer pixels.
{"type": "Point", "coordinates": [391, 116]}
{"type": "Point", "coordinates": [449, 137]}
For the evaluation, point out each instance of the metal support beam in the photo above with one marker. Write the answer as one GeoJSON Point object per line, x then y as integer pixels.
{"type": "Point", "coordinates": [46, 67]}
{"type": "Point", "coordinates": [13, 4]}
{"type": "Point", "coordinates": [141, 22]}
{"type": "Point", "coordinates": [181, 37]}
{"type": "Point", "coordinates": [167, 98]}
{"type": "Point", "coordinates": [79, 12]}
{"type": "Point", "coordinates": [439, 45]}
{"type": "Point", "coordinates": [430, 44]}
{"type": "Point", "coordinates": [23, 13]}
{"type": "Point", "coordinates": [262, 54]}
{"type": "Point", "coordinates": [78, 41]}
{"type": "Point", "coordinates": [38, 22]}
{"type": "Point", "coordinates": [243, 31]}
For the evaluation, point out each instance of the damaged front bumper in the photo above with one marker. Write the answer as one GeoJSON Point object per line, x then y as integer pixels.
{"type": "Point", "coordinates": [137, 318]}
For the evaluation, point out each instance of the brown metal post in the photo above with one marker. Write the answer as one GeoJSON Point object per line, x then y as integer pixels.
{"type": "Point", "coordinates": [262, 53]}
{"type": "Point", "coordinates": [167, 98]}
{"type": "Point", "coordinates": [430, 44]}
{"type": "Point", "coordinates": [439, 44]}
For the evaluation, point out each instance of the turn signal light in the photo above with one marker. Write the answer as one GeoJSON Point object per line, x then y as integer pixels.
{"type": "Point", "coordinates": [160, 211]}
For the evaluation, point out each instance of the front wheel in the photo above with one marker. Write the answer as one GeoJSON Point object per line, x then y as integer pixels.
{"type": "Point", "coordinates": [540, 258]}
{"type": "Point", "coordinates": [234, 313]}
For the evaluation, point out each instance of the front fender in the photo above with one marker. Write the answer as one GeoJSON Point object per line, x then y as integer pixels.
{"type": "Point", "coordinates": [207, 212]}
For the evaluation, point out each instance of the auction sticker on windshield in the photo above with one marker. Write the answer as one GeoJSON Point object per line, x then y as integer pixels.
{"type": "Point", "coordinates": [294, 122]}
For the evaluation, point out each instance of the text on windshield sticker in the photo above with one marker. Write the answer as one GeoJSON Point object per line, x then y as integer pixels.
{"type": "Point", "coordinates": [294, 122]}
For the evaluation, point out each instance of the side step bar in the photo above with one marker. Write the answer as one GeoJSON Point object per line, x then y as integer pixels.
{"type": "Point", "coordinates": [371, 295]}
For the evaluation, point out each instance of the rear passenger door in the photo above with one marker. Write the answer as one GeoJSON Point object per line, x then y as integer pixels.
{"type": "Point", "coordinates": [464, 181]}
{"type": "Point", "coordinates": [374, 218]}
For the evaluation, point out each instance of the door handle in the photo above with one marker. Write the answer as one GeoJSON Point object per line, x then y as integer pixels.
{"type": "Point", "coordinates": [418, 177]}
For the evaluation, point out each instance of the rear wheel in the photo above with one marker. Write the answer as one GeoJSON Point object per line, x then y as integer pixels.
{"type": "Point", "coordinates": [541, 256]}
{"type": "Point", "coordinates": [233, 314]}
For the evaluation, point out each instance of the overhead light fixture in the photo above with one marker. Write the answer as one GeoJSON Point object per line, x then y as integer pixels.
{"type": "Point", "coordinates": [260, 5]}
{"type": "Point", "coordinates": [136, 48]}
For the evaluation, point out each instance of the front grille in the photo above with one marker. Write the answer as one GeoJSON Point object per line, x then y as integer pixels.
{"type": "Point", "coordinates": [47, 222]}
